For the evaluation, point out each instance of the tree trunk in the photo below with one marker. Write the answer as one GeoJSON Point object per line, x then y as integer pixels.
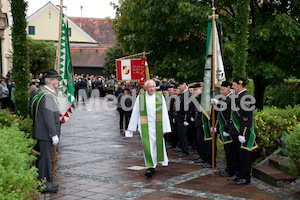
{"type": "Point", "coordinates": [259, 91]}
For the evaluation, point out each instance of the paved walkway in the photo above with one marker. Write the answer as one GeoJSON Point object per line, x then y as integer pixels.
{"type": "Point", "coordinates": [96, 161]}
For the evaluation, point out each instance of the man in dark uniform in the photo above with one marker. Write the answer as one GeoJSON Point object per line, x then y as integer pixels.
{"type": "Point", "coordinates": [191, 133]}
{"type": "Point", "coordinates": [244, 136]}
{"type": "Point", "coordinates": [182, 118]}
{"type": "Point", "coordinates": [46, 127]}
{"type": "Point", "coordinates": [200, 145]}
{"type": "Point", "coordinates": [173, 136]}
{"type": "Point", "coordinates": [225, 126]}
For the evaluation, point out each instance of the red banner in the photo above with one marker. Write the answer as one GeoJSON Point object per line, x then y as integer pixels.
{"type": "Point", "coordinates": [131, 70]}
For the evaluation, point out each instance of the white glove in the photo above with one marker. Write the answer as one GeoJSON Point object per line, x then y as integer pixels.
{"type": "Point", "coordinates": [173, 120]}
{"type": "Point", "coordinates": [212, 129]}
{"type": "Point", "coordinates": [55, 140]}
{"type": "Point", "coordinates": [214, 101]}
{"type": "Point", "coordinates": [185, 123]}
{"type": "Point", "coordinates": [192, 119]}
{"type": "Point", "coordinates": [242, 139]}
{"type": "Point", "coordinates": [226, 134]}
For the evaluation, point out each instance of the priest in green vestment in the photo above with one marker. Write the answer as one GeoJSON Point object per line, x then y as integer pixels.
{"type": "Point", "coordinates": [150, 116]}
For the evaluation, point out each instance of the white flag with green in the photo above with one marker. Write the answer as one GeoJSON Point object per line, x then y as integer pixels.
{"type": "Point", "coordinates": [219, 71]}
{"type": "Point", "coordinates": [66, 83]}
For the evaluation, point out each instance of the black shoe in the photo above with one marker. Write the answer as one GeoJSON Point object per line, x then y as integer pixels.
{"type": "Point", "coordinates": [242, 181]}
{"type": "Point", "coordinates": [224, 174]}
{"type": "Point", "coordinates": [207, 165]}
{"type": "Point", "coordinates": [181, 155]}
{"type": "Point", "coordinates": [149, 172]}
{"type": "Point", "coordinates": [199, 160]}
{"type": "Point", "coordinates": [50, 188]}
{"type": "Point", "coordinates": [177, 149]}
{"type": "Point", "coordinates": [233, 178]}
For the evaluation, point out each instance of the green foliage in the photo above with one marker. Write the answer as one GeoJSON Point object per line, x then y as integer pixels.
{"type": "Point", "coordinates": [250, 87]}
{"type": "Point", "coordinates": [111, 54]}
{"type": "Point", "coordinates": [20, 71]}
{"type": "Point", "coordinates": [283, 95]}
{"type": "Point", "coordinates": [241, 38]}
{"type": "Point", "coordinates": [41, 55]}
{"type": "Point", "coordinates": [24, 124]}
{"type": "Point", "coordinates": [174, 32]}
{"type": "Point", "coordinates": [293, 144]}
{"type": "Point", "coordinates": [18, 178]}
{"type": "Point", "coordinates": [269, 125]}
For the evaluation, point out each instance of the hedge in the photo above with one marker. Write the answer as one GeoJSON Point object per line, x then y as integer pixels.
{"type": "Point", "coordinates": [18, 178]}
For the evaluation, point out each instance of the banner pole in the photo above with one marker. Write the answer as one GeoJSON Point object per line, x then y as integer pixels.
{"type": "Point", "coordinates": [213, 89]}
{"type": "Point", "coordinates": [57, 69]}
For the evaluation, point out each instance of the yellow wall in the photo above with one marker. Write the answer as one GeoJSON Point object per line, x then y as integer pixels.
{"type": "Point", "coordinates": [46, 28]}
{"type": "Point", "coordinates": [7, 45]}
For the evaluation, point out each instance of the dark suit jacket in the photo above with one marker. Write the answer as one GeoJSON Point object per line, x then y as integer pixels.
{"type": "Point", "coordinates": [46, 122]}
{"type": "Point", "coordinates": [183, 114]}
{"type": "Point", "coordinates": [244, 117]}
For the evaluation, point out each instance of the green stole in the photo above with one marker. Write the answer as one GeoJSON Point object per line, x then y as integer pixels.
{"type": "Point", "coordinates": [145, 129]}
{"type": "Point", "coordinates": [37, 98]}
{"type": "Point", "coordinates": [250, 143]}
{"type": "Point", "coordinates": [222, 138]}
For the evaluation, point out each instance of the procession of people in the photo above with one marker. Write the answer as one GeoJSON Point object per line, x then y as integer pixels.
{"type": "Point", "coordinates": [165, 115]}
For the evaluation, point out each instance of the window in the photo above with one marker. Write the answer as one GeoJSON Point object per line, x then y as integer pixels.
{"type": "Point", "coordinates": [31, 30]}
{"type": "Point", "coordinates": [70, 32]}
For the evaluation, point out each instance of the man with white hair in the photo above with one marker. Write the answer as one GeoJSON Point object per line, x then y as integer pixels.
{"type": "Point", "coordinates": [150, 115]}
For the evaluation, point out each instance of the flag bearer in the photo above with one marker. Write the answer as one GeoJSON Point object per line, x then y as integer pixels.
{"type": "Point", "coordinates": [244, 138]}
{"type": "Point", "coordinates": [46, 127]}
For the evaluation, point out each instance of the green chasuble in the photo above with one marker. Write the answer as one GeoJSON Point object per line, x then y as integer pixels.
{"type": "Point", "coordinates": [145, 129]}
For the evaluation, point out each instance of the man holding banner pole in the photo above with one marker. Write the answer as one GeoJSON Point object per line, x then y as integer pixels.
{"type": "Point", "coordinates": [150, 115]}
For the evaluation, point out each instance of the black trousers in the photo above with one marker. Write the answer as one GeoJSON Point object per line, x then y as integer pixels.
{"type": "Point", "coordinates": [191, 135]}
{"type": "Point", "coordinates": [182, 136]}
{"type": "Point", "coordinates": [200, 144]}
{"type": "Point", "coordinates": [242, 160]}
{"type": "Point", "coordinates": [122, 116]}
{"type": "Point", "coordinates": [208, 150]}
{"type": "Point", "coordinates": [173, 136]}
{"type": "Point", "coordinates": [45, 160]}
{"type": "Point", "coordinates": [229, 158]}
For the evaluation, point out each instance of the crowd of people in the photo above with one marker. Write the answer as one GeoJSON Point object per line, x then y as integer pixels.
{"type": "Point", "coordinates": [6, 92]}
{"type": "Point", "coordinates": [186, 129]}
{"type": "Point", "coordinates": [191, 131]}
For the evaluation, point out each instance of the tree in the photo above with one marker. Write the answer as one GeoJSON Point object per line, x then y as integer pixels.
{"type": "Point", "coordinates": [20, 71]}
{"type": "Point", "coordinates": [41, 55]}
{"type": "Point", "coordinates": [274, 44]}
{"type": "Point", "coordinates": [241, 38]}
{"type": "Point", "coordinates": [112, 53]}
{"type": "Point", "coordinates": [174, 32]}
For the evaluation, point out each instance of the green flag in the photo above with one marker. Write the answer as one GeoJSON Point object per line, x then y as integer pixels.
{"type": "Point", "coordinates": [207, 80]}
{"type": "Point", "coordinates": [66, 83]}
{"type": "Point", "coordinates": [219, 71]}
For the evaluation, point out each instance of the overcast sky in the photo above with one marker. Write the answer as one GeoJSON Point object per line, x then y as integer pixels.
{"type": "Point", "coordinates": [91, 8]}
